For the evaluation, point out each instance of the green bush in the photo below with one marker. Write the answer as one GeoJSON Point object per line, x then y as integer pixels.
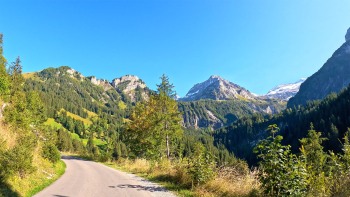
{"type": "Point", "coordinates": [201, 165]}
{"type": "Point", "coordinates": [281, 172]}
{"type": "Point", "coordinates": [50, 152]}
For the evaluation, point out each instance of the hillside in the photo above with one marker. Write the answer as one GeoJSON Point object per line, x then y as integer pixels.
{"type": "Point", "coordinates": [333, 76]}
{"type": "Point", "coordinates": [216, 114]}
{"type": "Point", "coordinates": [330, 116]}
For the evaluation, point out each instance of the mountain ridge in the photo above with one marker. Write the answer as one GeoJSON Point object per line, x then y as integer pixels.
{"type": "Point", "coordinates": [217, 88]}
{"type": "Point", "coordinates": [333, 76]}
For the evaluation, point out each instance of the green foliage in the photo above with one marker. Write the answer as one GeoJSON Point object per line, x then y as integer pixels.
{"type": "Point", "coordinates": [50, 152]}
{"type": "Point", "coordinates": [4, 79]}
{"type": "Point", "coordinates": [18, 161]}
{"type": "Point", "coordinates": [201, 165]}
{"type": "Point", "coordinates": [315, 162]}
{"type": "Point", "coordinates": [282, 173]}
{"type": "Point", "coordinates": [154, 127]}
{"type": "Point", "coordinates": [330, 116]}
{"type": "Point", "coordinates": [312, 173]}
{"type": "Point", "coordinates": [64, 141]}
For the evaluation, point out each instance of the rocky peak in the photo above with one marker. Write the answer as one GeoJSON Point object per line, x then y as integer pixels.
{"type": "Point", "coordinates": [217, 88]}
{"type": "Point", "coordinates": [100, 82]}
{"type": "Point", "coordinates": [347, 36]}
{"type": "Point", "coordinates": [128, 83]}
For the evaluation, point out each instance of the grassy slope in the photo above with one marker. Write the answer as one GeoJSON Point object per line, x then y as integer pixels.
{"type": "Point", "coordinates": [45, 173]}
{"type": "Point", "coordinates": [86, 122]}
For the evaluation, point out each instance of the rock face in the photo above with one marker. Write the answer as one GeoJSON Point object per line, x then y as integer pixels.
{"type": "Point", "coordinates": [132, 86]}
{"type": "Point", "coordinates": [332, 77]}
{"type": "Point", "coordinates": [100, 82]}
{"type": "Point", "coordinates": [285, 91]}
{"type": "Point", "coordinates": [217, 88]}
{"type": "Point", "coordinates": [347, 36]}
{"type": "Point", "coordinates": [128, 83]}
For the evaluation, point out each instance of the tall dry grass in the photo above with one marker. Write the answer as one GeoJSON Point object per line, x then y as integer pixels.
{"type": "Point", "coordinates": [229, 182]}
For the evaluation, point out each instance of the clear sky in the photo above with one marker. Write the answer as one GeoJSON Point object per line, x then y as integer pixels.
{"type": "Point", "coordinates": [257, 44]}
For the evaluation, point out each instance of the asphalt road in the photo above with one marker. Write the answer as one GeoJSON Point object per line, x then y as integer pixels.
{"type": "Point", "coordinates": [90, 179]}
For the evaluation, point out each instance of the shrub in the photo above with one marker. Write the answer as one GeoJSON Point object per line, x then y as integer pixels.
{"type": "Point", "coordinates": [50, 152]}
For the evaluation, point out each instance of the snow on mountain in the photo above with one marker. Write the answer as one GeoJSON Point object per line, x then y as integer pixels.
{"type": "Point", "coordinates": [285, 91]}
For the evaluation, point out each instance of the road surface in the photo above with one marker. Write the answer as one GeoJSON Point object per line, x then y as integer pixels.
{"type": "Point", "coordinates": [90, 179]}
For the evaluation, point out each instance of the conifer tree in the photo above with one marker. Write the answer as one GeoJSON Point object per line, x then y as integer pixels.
{"type": "Point", "coordinates": [4, 81]}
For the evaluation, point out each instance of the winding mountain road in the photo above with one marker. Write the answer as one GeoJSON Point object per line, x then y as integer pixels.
{"type": "Point", "coordinates": [90, 179]}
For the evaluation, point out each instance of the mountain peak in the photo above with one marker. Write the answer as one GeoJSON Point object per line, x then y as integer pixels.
{"type": "Point", "coordinates": [347, 36]}
{"type": "Point", "coordinates": [217, 88]}
{"type": "Point", "coordinates": [215, 77]}
{"type": "Point", "coordinates": [285, 91]}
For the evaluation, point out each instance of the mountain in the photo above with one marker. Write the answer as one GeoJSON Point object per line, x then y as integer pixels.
{"type": "Point", "coordinates": [66, 88]}
{"type": "Point", "coordinates": [217, 88]}
{"type": "Point", "coordinates": [330, 116]}
{"type": "Point", "coordinates": [217, 102]}
{"type": "Point", "coordinates": [332, 77]}
{"type": "Point", "coordinates": [285, 91]}
{"type": "Point", "coordinates": [132, 86]}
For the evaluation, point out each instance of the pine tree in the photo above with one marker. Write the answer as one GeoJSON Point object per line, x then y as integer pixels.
{"type": "Point", "coordinates": [155, 124]}
{"type": "Point", "coordinates": [4, 80]}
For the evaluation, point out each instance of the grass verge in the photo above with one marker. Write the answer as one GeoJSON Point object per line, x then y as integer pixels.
{"type": "Point", "coordinates": [38, 180]}
{"type": "Point", "coordinates": [59, 169]}
{"type": "Point", "coordinates": [229, 182]}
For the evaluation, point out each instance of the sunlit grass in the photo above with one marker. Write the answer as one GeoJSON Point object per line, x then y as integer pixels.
{"type": "Point", "coordinates": [86, 122]}
{"type": "Point", "coordinates": [51, 122]}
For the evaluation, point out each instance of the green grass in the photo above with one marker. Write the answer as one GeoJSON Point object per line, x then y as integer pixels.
{"type": "Point", "coordinates": [90, 113]}
{"type": "Point", "coordinates": [59, 168]}
{"type": "Point", "coordinates": [97, 142]}
{"type": "Point", "coordinates": [74, 136]}
{"type": "Point", "coordinates": [51, 122]}
{"type": "Point", "coordinates": [86, 122]}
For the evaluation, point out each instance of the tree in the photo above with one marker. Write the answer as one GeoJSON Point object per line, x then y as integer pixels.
{"type": "Point", "coordinates": [282, 173]}
{"type": "Point", "coordinates": [17, 80]}
{"type": "Point", "coordinates": [155, 124]}
{"type": "Point", "coordinates": [166, 87]}
{"type": "Point", "coordinates": [4, 80]}
{"type": "Point", "coordinates": [315, 162]}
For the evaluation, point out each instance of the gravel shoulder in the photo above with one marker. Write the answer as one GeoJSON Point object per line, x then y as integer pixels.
{"type": "Point", "coordinates": [90, 179]}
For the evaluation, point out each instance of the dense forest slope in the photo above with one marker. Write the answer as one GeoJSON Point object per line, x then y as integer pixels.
{"type": "Point", "coordinates": [215, 114]}
{"type": "Point", "coordinates": [330, 116]}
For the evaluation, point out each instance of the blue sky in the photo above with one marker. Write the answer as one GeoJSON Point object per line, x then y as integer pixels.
{"type": "Point", "coordinates": [257, 44]}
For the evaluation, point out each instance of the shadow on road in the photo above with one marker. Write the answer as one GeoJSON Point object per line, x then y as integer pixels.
{"type": "Point", "coordinates": [72, 158]}
{"type": "Point", "coordinates": [141, 187]}
{"type": "Point", "coordinates": [59, 195]}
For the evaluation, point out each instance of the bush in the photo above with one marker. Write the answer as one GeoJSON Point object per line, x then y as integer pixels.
{"type": "Point", "coordinates": [201, 165]}
{"type": "Point", "coordinates": [50, 152]}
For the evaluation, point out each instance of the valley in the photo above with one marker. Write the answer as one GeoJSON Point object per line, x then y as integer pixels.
{"type": "Point", "coordinates": [167, 98]}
